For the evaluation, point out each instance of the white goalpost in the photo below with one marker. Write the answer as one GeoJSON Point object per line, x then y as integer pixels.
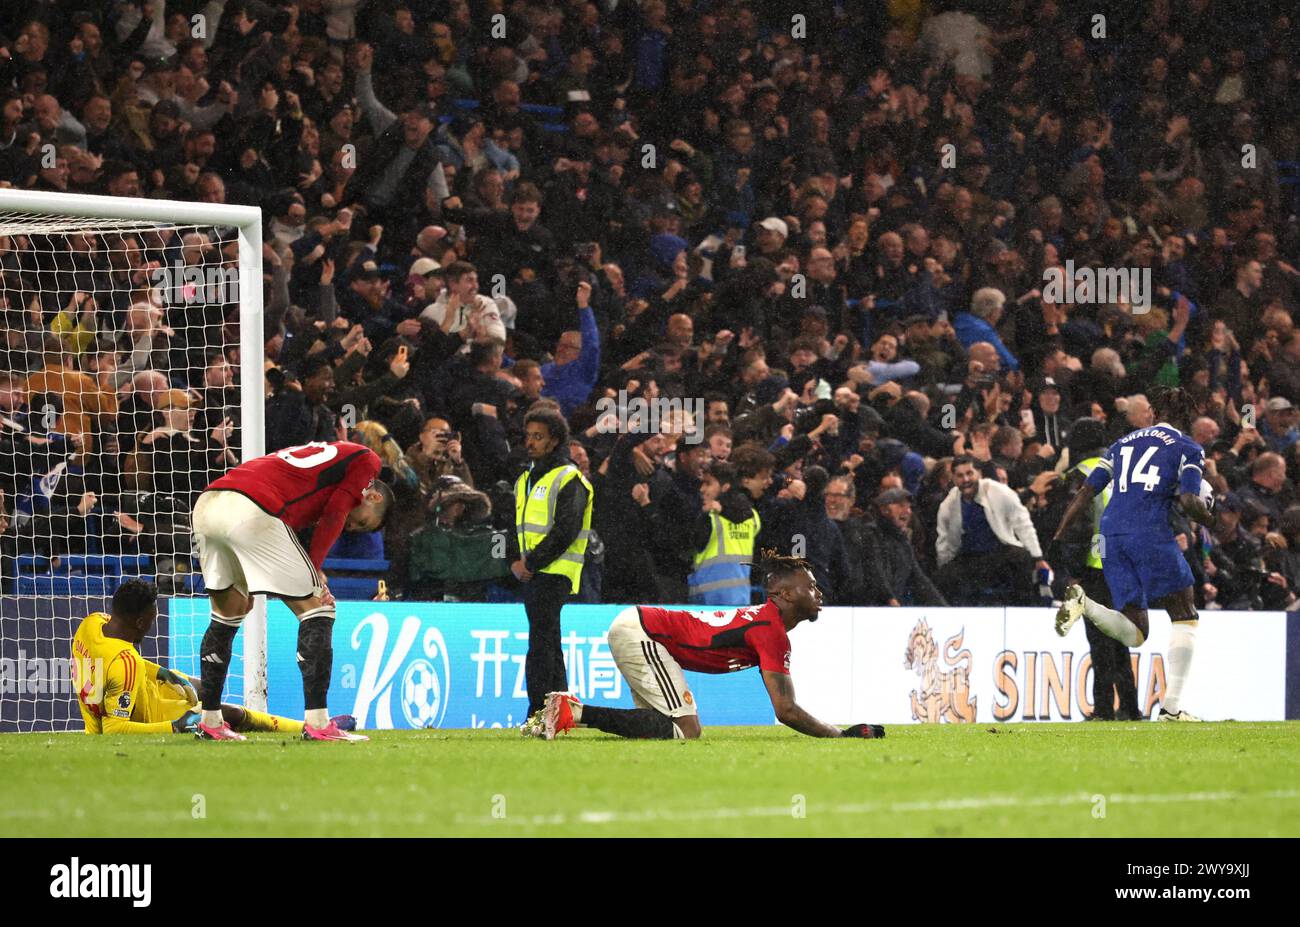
{"type": "Point", "coordinates": [131, 375]}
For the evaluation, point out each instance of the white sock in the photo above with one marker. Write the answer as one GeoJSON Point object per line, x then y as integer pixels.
{"type": "Point", "coordinates": [212, 719]}
{"type": "Point", "coordinates": [317, 718]}
{"type": "Point", "coordinates": [1182, 647]}
{"type": "Point", "coordinates": [1112, 623]}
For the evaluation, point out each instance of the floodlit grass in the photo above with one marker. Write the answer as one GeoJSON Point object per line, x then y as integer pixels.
{"type": "Point", "coordinates": [1119, 779]}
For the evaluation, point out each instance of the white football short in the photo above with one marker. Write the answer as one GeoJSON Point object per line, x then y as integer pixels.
{"type": "Point", "coordinates": [244, 547]}
{"type": "Point", "coordinates": [655, 678]}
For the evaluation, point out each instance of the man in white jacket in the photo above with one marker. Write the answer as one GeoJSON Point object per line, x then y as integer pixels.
{"type": "Point", "coordinates": [986, 539]}
{"type": "Point", "coordinates": [461, 306]}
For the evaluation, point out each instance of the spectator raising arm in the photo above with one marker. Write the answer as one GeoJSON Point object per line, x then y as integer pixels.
{"type": "Point", "coordinates": [380, 116]}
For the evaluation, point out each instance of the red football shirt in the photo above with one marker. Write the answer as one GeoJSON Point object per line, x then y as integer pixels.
{"type": "Point", "coordinates": [721, 641]}
{"type": "Point", "coordinates": [313, 484]}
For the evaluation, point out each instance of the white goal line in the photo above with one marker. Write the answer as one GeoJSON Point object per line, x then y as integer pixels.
{"type": "Point", "coordinates": [972, 803]}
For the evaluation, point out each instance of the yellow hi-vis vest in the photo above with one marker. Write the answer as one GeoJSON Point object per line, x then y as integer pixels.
{"type": "Point", "coordinates": [721, 574]}
{"type": "Point", "coordinates": [1098, 506]}
{"type": "Point", "coordinates": [535, 516]}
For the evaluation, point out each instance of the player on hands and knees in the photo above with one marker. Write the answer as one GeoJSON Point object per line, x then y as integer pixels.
{"type": "Point", "coordinates": [245, 524]}
{"type": "Point", "coordinates": [651, 647]}
{"type": "Point", "coordinates": [120, 692]}
{"type": "Point", "coordinates": [1147, 471]}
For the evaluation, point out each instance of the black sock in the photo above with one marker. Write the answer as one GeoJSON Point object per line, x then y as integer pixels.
{"type": "Point", "coordinates": [315, 659]}
{"type": "Point", "coordinates": [629, 722]}
{"type": "Point", "coordinates": [214, 663]}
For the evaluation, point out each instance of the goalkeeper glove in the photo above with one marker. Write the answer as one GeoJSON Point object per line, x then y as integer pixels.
{"type": "Point", "coordinates": [187, 723]}
{"type": "Point", "coordinates": [181, 682]}
{"type": "Point", "coordinates": [872, 731]}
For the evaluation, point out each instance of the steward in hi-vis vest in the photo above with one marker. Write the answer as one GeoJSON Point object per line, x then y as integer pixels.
{"type": "Point", "coordinates": [553, 502]}
{"type": "Point", "coordinates": [537, 501]}
{"type": "Point", "coordinates": [1082, 554]}
{"type": "Point", "coordinates": [723, 538]}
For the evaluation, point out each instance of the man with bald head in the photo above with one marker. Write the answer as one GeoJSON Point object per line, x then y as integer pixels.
{"type": "Point", "coordinates": [55, 124]}
{"type": "Point", "coordinates": [891, 278]}
{"type": "Point", "coordinates": [825, 292]}
{"type": "Point", "coordinates": [1138, 412]}
{"type": "Point", "coordinates": [680, 330]}
{"type": "Point", "coordinates": [211, 188]}
{"type": "Point", "coordinates": [426, 243]}
{"type": "Point", "coordinates": [986, 356]}
{"type": "Point", "coordinates": [753, 371]}
{"type": "Point", "coordinates": [1205, 431]}
{"type": "Point", "coordinates": [505, 112]}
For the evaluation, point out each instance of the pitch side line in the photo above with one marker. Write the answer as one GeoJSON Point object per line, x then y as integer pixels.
{"type": "Point", "coordinates": [952, 804]}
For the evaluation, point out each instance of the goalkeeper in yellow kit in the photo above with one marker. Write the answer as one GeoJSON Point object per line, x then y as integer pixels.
{"type": "Point", "coordinates": [120, 692]}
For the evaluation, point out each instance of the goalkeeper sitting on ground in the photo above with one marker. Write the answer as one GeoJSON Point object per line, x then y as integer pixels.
{"type": "Point", "coordinates": [120, 692]}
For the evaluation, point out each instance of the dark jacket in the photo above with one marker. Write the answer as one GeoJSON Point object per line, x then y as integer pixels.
{"type": "Point", "coordinates": [854, 530]}
{"type": "Point", "coordinates": [291, 421]}
{"type": "Point", "coordinates": [671, 515]}
{"type": "Point", "coordinates": [408, 195]}
{"type": "Point", "coordinates": [792, 526]}
{"type": "Point", "coordinates": [892, 570]}
{"type": "Point", "coordinates": [1273, 503]}
{"type": "Point", "coordinates": [504, 249]}
{"type": "Point", "coordinates": [616, 517]}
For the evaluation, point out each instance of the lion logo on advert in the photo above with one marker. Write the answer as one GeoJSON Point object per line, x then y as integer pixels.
{"type": "Point", "coordinates": [944, 695]}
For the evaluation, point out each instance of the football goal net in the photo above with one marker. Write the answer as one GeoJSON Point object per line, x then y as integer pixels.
{"type": "Point", "coordinates": [130, 377]}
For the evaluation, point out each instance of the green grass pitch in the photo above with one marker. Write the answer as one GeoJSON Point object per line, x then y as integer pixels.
{"type": "Point", "coordinates": [1118, 779]}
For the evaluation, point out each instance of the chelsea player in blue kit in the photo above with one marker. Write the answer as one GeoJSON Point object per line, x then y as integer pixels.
{"type": "Point", "coordinates": [1147, 471]}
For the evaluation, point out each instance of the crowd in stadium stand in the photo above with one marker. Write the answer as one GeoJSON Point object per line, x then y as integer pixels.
{"type": "Point", "coordinates": [831, 231]}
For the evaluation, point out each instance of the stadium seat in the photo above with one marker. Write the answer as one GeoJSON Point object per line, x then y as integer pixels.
{"type": "Point", "coordinates": [541, 109]}
{"type": "Point", "coordinates": [93, 586]}
{"type": "Point", "coordinates": [355, 566]}
{"type": "Point", "coordinates": [132, 564]}
{"type": "Point", "coordinates": [354, 587]}
{"type": "Point", "coordinates": [345, 583]}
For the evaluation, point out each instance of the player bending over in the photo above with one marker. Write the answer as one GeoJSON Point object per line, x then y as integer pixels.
{"type": "Point", "coordinates": [1147, 471]}
{"type": "Point", "coordinates": [245, 524]}
{"type": "Point", "coordinates": [651, 646]}
{"type": "Point", "coordinates": [120, 692]}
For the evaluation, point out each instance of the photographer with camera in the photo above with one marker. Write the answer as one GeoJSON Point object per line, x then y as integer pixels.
{"type": "Point", "coordinates": [438, 454]}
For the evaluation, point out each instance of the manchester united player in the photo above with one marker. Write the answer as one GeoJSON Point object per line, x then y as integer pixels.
{"type": "Point", "coordinates": [245, 524]}
{"type": "Point", "coordinates": [651, 647]}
